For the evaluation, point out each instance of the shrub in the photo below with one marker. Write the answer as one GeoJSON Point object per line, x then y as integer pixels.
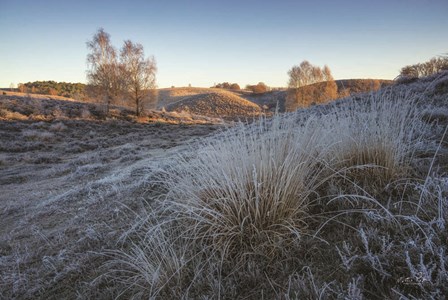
{"type": "Point", "coordinates": [58, 127]}
{"type": "Point", "coordinates": [85, 113]}
{"type": "Point", "coordinates": [3, 113]}
{"type": "Point", "coordinates": [227, 85]}
{"type": "Point", "coordinates": [259, 88]}
{"type": "Point", "coordinates": [235, 86]}
{"type": "Point", "coordinates": [57, 113]}
{"type": "Point", "coordinates": [12, 115]}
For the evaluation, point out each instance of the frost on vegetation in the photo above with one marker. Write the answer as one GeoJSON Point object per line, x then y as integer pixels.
{"type": "Point", "coordinates": [36, 135]}
{"type": "Point", "coordinates": [318, 205]}
{"type": "Point", "coordinates": [85, 113]}
{"type": "Point", "coordinates": [56, 127]}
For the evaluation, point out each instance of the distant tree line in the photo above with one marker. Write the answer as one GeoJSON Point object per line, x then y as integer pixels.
{"type": "Point", "coordinates": [227, 85]}
{"type": "Point", "coordinates": [126, 76]}
{"type": "Point", "coordinates": [433, 66]}
{"type": "Point", "coordinates": [65, 89]}
{"type": "Point", "coordinates": [258, 88]}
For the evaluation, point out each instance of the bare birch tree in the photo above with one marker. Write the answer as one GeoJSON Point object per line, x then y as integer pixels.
{"type": "Point", "coordinates": [304, 74]}
{"type": "Point", "coordinates": [139, 74]}
{"type": "Point", "coordinates": [103, 73]}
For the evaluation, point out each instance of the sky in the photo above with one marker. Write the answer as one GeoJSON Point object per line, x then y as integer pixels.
{"type": "Point", "coordinates": [206, 42]}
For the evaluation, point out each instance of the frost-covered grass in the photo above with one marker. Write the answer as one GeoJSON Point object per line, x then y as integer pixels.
{"type": "Point", "coordinates": [347, 200]}
{"type": "Point", "coordinates": [21, 107]}
{"type": "Point", "coordinates": [337, 202]}
{"type": "Point", "coordinates": [63, 184]}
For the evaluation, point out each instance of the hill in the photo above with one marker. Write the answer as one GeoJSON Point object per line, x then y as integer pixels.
{"type": "Point", "coordinates": [354, 86]}
{"type": "Point", "coordinates": [276, 99]}
{"type": "Point", "coordinates": [169, 96]}
{"type": "Point", "coordinates": [209, 102]}
{"type": "Point", "coordinates": [228, 104]}
{"type": "Point", "coordinates": [35, 107]}
{"type": "Point", "coordinates": [216, 103]}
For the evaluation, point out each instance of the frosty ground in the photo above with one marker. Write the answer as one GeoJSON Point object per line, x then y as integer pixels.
{"type": "Point", "coordinates": [64, 187]}
{"type": "Point", "coordinates": [345, 200]}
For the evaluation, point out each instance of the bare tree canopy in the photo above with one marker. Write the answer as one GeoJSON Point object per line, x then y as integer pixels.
{"type": "Point", "coordinates": [129, 75]}
{"type": "Point", "coordinates": [103, 70]}
{"type": "Point", "coordinates": [139, 75]}
{"type": "Point", "coordinates": [433, 66]}
{"type": "Point", "coordinates": [304, 74]}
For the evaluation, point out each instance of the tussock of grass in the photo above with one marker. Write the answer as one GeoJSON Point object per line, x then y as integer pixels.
{"type": "Point", "coordinates": [11, 115]}
{"type": "Point", "coordinates": [326, 204]}
{"type": "Point", "coordinates": [374, 140]}
{"type": "Point", "coordinates": [31, 134]}
{"type": "Point", "coordinates": [248, 190]}
{"type": "Point", "coordinates": [58, 127]}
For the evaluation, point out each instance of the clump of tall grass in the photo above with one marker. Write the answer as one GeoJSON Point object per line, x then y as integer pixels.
{"type": "Point", "coordinates": [11, 115]}
{"type": "Point", "coordinates": [251, 211]}
{"type": "Point", "coordinates": [36, 135]}
{"type": "Point", "coordinates": [247, 192]}
{"type": "Point", "coordinates": [374, 140]}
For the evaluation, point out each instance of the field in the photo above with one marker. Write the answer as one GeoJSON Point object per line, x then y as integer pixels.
{"type": "Point", "coordinates": [65, 185]}
{"type": "Point", "coordinates": [346, 200]}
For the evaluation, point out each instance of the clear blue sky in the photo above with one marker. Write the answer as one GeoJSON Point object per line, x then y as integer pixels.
{"type": "Point", "coordinates": [206, 42]}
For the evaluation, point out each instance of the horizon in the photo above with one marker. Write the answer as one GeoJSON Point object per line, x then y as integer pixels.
{"type": "Point", "coordinates": [203, 43]}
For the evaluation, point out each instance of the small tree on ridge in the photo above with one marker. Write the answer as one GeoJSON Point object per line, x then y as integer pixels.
{"type": "Point", "coordinates": [303, 89]}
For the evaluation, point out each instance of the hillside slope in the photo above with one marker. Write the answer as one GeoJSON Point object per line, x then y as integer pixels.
{"type": "Point", "coordinates": [276, 99]}
{"type": "Point", "coordinates": [35, 107]}
{"type": "Point", "coordinates": [355, 86]}
{"type": "Point", "coordinates": [169, 96]}
{"type": "Point", "coordinates": [222, 104]}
